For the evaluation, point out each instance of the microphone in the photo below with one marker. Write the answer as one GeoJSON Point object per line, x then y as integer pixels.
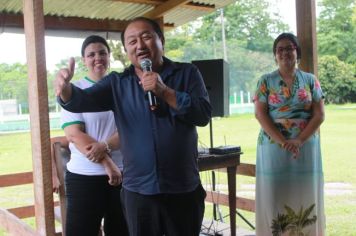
{"type": "Point", "coordinates": [146, 65]}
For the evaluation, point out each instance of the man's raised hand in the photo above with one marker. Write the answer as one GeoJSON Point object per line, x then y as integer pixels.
{"type": "Point", "coordinates": [62, 85]}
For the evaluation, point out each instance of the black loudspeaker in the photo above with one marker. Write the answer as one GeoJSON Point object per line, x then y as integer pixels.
{"type": "Point", "coordinates": [216, 77]}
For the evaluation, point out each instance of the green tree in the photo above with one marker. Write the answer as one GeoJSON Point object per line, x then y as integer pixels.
{"type": "Point", "coordinates": [52, 102]}
{"type": "Point", "coordinates": [118, 52]}
{"type": "Point", "coordinates": [14, 82]}
{"type": "Point", "coordinates": [336, 29]}
{"type": "Point", "coordinates": [177, 40]}
{"type": "Point", "coordinates": [249, 22]}
{"type": "Point", "coordinates": [337, 79]}
{"type": "Point", "coordinates": [247, 66]}
{"type": "Point", "coordinates": [250, 29]}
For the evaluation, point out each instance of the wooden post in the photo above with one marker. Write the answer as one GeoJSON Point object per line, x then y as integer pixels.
{"type": "Point", "coordinates": [38, 105]}
{"type": "Point", "coordinates": [306, 31]}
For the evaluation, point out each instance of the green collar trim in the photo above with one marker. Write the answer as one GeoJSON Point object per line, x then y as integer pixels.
{"type": "Point", "coordinates": [92, 81]}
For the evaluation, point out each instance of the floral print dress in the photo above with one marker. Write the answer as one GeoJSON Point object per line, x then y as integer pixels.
{"type": "Point", "coordinates": [289, 191]}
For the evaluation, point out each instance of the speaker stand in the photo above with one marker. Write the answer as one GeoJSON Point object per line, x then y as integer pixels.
{"type": "Point", "coordinates": [213, 179]}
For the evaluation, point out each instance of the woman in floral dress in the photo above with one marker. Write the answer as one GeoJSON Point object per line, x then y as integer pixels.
{"type": "Point", "coordinates": [289, 177]}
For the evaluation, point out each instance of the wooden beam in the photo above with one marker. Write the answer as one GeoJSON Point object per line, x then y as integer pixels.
{"type": "Point", "coordinates": [162, 9]}
{"type": "Point", "coordinates": [66, 23]}
{"type": "Point", "coordinates": [149, 2]}
{"type": "Point", "coordinates": [223, 199]}
{"type": "Point", "coordinates": [16, 179]}
{"type": "Point", "coordinates": [26, 211]}
{"type": "Point", "coordinates": [13, 225]}
{"type": "Point", "coordinates": [38, 106]}
{"type": "Point", "coordinates": [70, 23]}
{"type": "Point", "coordinates": [168, 27]}
{"type": "Point", "coordinates": [306, 31]}
{"type": "Point", "coordinates": [11, 20]}
{"type": "Point", "coordinates": [200, 7]}
{"type": "Point", "coordinates": [77, 23]}
{"type": "Point", "coordinates": [246, 169]}
{"type": "Point", "coordinates": [191, 5]}
{"type": "Point", "coordinates": [23, 212]}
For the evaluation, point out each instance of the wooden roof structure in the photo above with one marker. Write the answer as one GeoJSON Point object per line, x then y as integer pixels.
{"type": "Point", "coordinates": [38, 16]}
{"type": "Point", "coordinates": [109, 15]}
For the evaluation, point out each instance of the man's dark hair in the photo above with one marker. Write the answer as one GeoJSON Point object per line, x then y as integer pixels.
{"type": "Point", "coordinates": [151, 22]}
{"type": "Point", "coordinates": [291, 37]}
{"type": "Point", "coordinates": [94, 39]}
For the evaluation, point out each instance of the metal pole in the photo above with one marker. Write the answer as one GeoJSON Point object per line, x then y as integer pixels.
{"type": "Point", "coordinates": [223, 33]}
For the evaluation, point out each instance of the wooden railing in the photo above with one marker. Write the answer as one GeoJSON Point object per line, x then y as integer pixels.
{"type": "Point", "coordinates": [241, 203]}
{"type": "Point", "coordinates": [10, 218]}
{"type": "Point", "coordinates": [14, 180]}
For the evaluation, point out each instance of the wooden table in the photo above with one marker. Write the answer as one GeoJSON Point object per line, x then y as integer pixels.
{"type": "Point", "coordinates": [230, 162]}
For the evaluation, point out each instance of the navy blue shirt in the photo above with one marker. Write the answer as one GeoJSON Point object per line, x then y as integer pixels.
{"type": "Point", "coordinates": [160, 147]}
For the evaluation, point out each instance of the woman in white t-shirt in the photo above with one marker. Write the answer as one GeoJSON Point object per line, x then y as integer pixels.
{"type": "Point", "coordinates": [93, 177]}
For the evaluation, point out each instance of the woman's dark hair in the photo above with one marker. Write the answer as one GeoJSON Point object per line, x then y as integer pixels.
{"type": "Point", "coordinates": [151, 22]}
{"type": "Point", "coordinates": [94, 39]}
{"type": "Point", "coordinates": [291, 37]}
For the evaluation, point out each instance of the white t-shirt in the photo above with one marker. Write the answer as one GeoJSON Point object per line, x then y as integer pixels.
{"type": "Point", "coordinates": [98, 125]}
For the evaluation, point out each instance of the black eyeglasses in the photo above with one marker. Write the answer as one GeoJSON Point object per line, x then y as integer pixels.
{"type": "Point", "coordinates": [288, 49]}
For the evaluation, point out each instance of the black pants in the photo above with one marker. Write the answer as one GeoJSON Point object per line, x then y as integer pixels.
{"type": "Point", "coordinates": [89, 200]}
{"type": "Point", "coordinates": [164, 214]}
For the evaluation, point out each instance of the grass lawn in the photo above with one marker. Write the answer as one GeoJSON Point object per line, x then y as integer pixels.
{"type": "Point", "coordinates": [338, 148]}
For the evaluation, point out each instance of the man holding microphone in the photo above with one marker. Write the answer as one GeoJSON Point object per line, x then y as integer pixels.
{"type": "Point", "coordinates": [162, 193]}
